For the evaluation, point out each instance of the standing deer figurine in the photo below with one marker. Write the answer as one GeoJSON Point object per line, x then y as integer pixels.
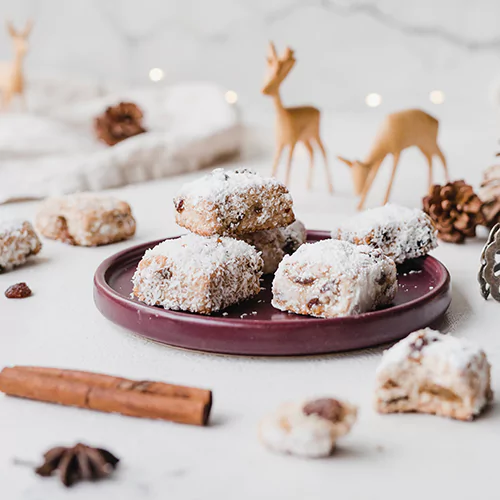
{"type": "Point", "coordinates": [398, 131]}
{"type": "Point", "coordinates": [11, 73]}
{"type": "Point", "coordinates": [298, 124]}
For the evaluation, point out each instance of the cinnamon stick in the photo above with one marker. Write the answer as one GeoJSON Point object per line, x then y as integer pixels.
{"type": "Point", "coordinates": [95, 391]}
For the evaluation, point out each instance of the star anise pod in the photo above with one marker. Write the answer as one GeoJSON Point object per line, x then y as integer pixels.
{"type": "Point", "coordinates": [119, 122]}
{"type": "Point", "coordinates": [79, 463]}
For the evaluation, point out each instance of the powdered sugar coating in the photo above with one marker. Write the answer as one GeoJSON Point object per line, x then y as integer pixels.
{"type": "Point", "coordinates": [289, 430]}
{"type": "Point", "coordinates": [434, 373]}
{"type": "Point", "coordinates": [333, 278]}
{"type": "Point", "coordinates": [233, 202]}
{"type": "Point", "coordinates": [86, 219]}
{"type": "Point", "coordinates": [18, 241]}
{"type": "Point", "coordinates": [198, 274]}
{"type": "Point", "coordinates": [401, 233]}
{"type": "Point", "coordinates": [274, 244]}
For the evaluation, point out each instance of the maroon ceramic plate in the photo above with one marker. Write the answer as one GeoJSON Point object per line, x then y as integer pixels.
{"type": "Point", "coordinates": [256, 328]}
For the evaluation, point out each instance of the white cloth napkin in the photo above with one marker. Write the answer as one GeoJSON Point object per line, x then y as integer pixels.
{"type": "Point", "coordinates": [54, 150]}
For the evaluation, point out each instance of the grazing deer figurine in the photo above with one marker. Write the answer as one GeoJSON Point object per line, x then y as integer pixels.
{"type": "Point", "coordinates": [398, 131]}
{"type": "Point", "coordinates": [11, 73]}
{"type": "Point", "coordinates": [298, 124]}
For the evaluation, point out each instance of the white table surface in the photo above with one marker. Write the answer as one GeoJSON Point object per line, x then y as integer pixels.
{"type": "Point", "coordinates": [390, 457]}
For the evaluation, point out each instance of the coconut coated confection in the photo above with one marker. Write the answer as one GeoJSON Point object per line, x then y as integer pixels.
{"type": "Point", "coordinates": [401, 233]}
{"type": "Point", "coordinates": [333, 278]}
{"type": "Point", "coordinates": [18, 241]}
{"type": "Point", "coordinates": [85, 219]}
{"type": "Point", "coordinates": [429, 372]}
{"type": "Point", "coordinates": [231, 203]}
{"type": "Point", "coordinates": [198, 274]}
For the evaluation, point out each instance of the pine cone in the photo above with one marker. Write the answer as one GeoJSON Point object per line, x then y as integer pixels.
{"type": "Point", "coordinates": [118, 123]}
{"type": "Point", "coordinates": [455, 210]}
{"type": "Point", "coordinates": [489, 193]}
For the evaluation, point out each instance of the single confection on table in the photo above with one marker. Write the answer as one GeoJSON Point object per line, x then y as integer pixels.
{"type": "Point", "coordinates": [429, 372]}
{"type": "Point", "coordinates": [233, 203]}
{"type": "Point", "coordinates": [198, 274]}
{"type": "Point", "coordinates": [274, 244]}
{"type": "Point", "coordinates": [309, 428]}
{"type": "Point", "coordinates": [18, 241]}
{"type": "Point", "coordinates": [401, 233]}
{"type": "Point", "coordinates": [334, 278]}
{"type": "Point", "coordinates": [85, 219]}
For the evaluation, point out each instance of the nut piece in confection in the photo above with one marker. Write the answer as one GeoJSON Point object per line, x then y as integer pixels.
{"type": "Point", "coordinates": [429, 372]}
{"type": "Point", "coordinates": [328, 408]}
{"type": "Point", "coordinates": [309, 429]}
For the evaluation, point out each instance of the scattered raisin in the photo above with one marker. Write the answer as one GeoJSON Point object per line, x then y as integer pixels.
{"type": "Point", "coordinates": [327, 408]}
{"type": "Point", "coordinates": [18, 291]}
{"type": "Point", "coordinates": [257, 209]}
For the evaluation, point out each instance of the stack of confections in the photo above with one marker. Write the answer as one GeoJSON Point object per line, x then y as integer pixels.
{"type": "Point", "coordinates": [241, 226]}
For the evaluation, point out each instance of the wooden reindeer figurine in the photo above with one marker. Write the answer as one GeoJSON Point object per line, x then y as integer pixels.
{"type": "Point", "coordinates": [298, 124]}
{"type": "Point", "coordinates": [11, 73]}
{"type": "Point", "coordinates": [398, 131]}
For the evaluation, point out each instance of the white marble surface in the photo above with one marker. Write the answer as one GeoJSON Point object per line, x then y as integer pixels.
{"type": "Point", "coordinates": [345, 48]}
{"type": "Point", "coordinates": [390, 457]}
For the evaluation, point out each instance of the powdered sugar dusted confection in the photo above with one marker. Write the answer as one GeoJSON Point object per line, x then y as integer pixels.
{"type": "Point", "coordinates": [333, 278]}
{"type": "Point", "coordinates": [309, 428]}
{"type": "Point", "coordinates": [18, 241]}
{"type": "Point", "coordinates": [198, 274]}
{"type": "Point", "coordinates": [401, 233]}
{"type": "Point", "coordinates": [233, 202]}
{"type": "Point", "coordinates": [430, 372]}
{"type": "Point", "coordinates": [274, 244]}
{"type": "Point", "coordinates": [86, 219]}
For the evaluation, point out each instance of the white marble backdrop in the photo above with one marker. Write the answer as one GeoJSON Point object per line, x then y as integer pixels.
{"type": "Point", "coordinates": [346, 49]}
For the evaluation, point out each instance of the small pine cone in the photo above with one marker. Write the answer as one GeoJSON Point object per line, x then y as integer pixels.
{"type": "Point", "coordinates": [118, 123]}
{"type": "Point", "coordinates": [455, 211]}
{"type": "Point", "coordinates": [489, 192]}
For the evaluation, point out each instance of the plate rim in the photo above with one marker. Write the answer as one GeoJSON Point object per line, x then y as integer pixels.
{"type": "Point", "coordinates": [103, 286]}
